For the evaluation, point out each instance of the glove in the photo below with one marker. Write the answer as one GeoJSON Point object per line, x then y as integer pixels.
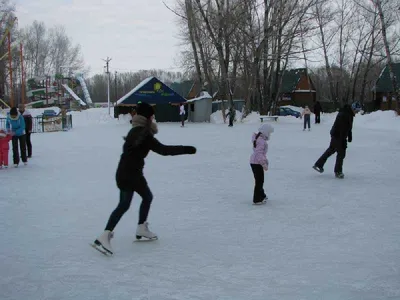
{"type": "Point", "coordinates": [349, 139]}
{"type": "Point", "coordinates": [265, 167]}
{"type": "Point", "coordinates": [189, 149]}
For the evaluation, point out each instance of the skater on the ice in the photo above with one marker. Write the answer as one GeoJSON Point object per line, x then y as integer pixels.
{"type": "Point", "coordinates": [341, 133]}
{"type": "Point", "coordinates": [28, 127]}
{"type": "Point", "coordinates": [259, 161]}
{"type": "Point", "coordinates": [5, 138]}
{"type": "Point", "coordinates": [231, 114]}
{"type": "Point", "coordinates": [129, 177]}
{"type": "Point", "coordinates": [317, 112]}
{"type": "Point", "coordinates": [132, 113]}
{"type": "Point", "coordinates": [16, 123]}
{"type": "Point", "coordinates": [182, 113]}
{"type": "Point", "coordinates": [306, 114]}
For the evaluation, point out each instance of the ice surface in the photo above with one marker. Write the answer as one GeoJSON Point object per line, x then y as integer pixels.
{"type": "Point", "coordinates": [317, 237]}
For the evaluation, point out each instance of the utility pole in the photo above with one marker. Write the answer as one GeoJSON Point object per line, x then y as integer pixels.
{"type": "Point", "coordinates": [116, 88]}
{"type": "Point", "coordinates": [22, 76]}
{"type": "Point", "coordinates": [10, 71]}
{"type": "Point", "coordinates": [108, 82]}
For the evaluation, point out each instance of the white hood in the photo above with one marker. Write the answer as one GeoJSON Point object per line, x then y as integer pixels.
{"type": "Point", "coordinates": [266, 130]}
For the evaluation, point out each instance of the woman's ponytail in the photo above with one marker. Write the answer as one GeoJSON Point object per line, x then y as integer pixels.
{"type": "Point", "coordinates": [255, 140]}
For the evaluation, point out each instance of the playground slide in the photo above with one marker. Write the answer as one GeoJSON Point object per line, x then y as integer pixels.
{"type": "Point", "coordinates": [72, 93]}
{"type": "Point", "coordinates": [85, 90]}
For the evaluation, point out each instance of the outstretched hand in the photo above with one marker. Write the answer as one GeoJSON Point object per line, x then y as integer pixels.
{"type": "Point", "coordinates": [190, 149]}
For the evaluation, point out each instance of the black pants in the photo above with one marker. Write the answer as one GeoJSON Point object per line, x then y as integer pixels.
{"type": "Point", "coordinates": [335, 146]}
{"type": "Point", "coordinates": [125, 199]}
{"type": "Point", "coordinates": [317, 118]}
{"type": "Point", "coordinates": [259, 193]}
{"type": "Point", "coordinates": [230, 122]}
{"type": "Point", "coordinates": [22, 145]}
{"type": "Point", "coordinates": [29, 144]}
{"type": "Point", "coordinates": [307, 121]}
{"type": "Point", "coordinates": [183, 120]}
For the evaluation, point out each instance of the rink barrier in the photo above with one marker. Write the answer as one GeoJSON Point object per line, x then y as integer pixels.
{"type": "Point", "coordinates": [46, 123]}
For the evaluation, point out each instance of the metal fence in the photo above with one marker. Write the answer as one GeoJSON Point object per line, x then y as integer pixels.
{"type": "Point", "coordinates": [46, 123]}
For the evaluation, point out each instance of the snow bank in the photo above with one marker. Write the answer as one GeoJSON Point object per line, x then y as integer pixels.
{"type": "Point", "coordinates": [378, 120]}
{"type": "Point", "coordinates": [91, 116]}
{"type": "Point", "coordinates": [216, 117]}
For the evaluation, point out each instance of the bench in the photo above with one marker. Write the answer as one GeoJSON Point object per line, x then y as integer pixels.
{"type": "Point", "coordinates": [275, 118]}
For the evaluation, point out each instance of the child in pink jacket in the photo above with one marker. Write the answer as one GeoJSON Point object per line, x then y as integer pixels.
{"type": "Point", "coordinates": [4, 148]}
{"type": "Point", "coordinates": [259, 161]}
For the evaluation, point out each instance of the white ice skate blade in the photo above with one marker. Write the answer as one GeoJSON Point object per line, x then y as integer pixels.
{"type": "Point", "coordinates": [260, 203]}
{"type": "Point", "coordinates": [100, 249]}
{"type": "Point", "coordinates": [145, 239]}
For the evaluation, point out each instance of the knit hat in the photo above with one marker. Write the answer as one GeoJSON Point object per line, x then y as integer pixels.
{"type": "Point", "coordinates": [14, 113]}
{"type": "Point", "coordinates": [145, 110]}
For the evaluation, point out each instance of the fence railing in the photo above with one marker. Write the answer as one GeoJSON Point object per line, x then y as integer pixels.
{"type": "Point", "coordinates": [46, 123]}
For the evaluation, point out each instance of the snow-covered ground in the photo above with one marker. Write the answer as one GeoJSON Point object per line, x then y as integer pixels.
{"type": "Point", "coordinates": [317, 237]}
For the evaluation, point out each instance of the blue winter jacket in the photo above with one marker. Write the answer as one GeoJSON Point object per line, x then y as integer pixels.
{"type": "Point", "coordinates": [16, 125]}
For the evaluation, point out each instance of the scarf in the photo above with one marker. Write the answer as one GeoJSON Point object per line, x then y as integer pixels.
{"type": "Point", "coordinates": [141, 121]}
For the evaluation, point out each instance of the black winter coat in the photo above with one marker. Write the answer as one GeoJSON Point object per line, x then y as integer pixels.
{"type": "Point", "coordinates": [138, 143]}
{"type": "Point", "coordinates": [343, 126]}
{"type": "Point", "coordinates": [317, 108]}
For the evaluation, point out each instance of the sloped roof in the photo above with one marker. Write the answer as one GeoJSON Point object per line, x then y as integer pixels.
{"type": "Point", "coordinates": [291, 79]}
{"type": "Point", "coordinates": [384, 83]}
{"type": "Point", "coordinates": [153, 91]}
{"type": "Point", "coordinates": [182, 88]}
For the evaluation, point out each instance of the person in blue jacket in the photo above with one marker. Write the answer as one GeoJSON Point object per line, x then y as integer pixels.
{"type": "Point", "coordinates": [16, 124]}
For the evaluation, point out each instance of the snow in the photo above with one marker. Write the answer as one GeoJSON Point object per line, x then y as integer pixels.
{"type": "Point", "coordinates": [217, 118]}
{"type": "Point", "coordinates": [203, 95]}
{"type": "Point", "coordinates": [316, 238]}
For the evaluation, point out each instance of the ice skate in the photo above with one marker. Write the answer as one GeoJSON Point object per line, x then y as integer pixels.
{"type": "Point", "coordinates": [102, 243]}
{"type": "Point", "coordinates": [25, 163]}
{"type": "Point", "coordinates": [339, 175]}
{"type": "Point", "coordinates": [318, 169]}
{"type": "Point", "coordinates": [15, 165]}
{"type": "Point", "coordinates": [260, 202]}
{"type": "Point", "coordinates": [143, 231]}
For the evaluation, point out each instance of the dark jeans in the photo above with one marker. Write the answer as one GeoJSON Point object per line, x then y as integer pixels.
{"type": "Point", "coordinates": [183, 120]}
{"type": "Point", "coordinates": [317, 118]}
{"type": "Point", "coordinates": [125, 199]}
{"type": "Point", "coordinates": [307, 121]}
{"type": "Point", "coordinates": [335, 146]}
{"type": "Point", "coordinates": [258, 173]}
{"type": "Point", "coordinates": [29, 144]}
{"type": "Point", "coordinates": [22, 145]}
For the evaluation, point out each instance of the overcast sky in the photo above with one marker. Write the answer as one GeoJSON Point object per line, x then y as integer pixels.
{"type": "Point", "coordinates": [136, 34]}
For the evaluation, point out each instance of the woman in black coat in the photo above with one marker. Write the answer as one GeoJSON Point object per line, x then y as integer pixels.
{"type": "Point", "coordinates": [130, 179]}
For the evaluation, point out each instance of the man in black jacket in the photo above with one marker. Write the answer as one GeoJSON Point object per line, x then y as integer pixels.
{"type": "Point", "coordinates": [129, 177]}
{"type": "Point", "coordinates": [341, 133]}
{"type": "Point", "coordinates": [317, 112]}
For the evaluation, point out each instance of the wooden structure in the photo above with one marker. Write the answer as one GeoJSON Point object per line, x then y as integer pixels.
{"type": "Point", "coordinates": [297, 88]}
{"type": "Point", "coordinates": [383, 89]}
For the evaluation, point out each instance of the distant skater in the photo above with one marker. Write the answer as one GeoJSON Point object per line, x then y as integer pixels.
{"type": "Point", "coordinates": [317, 112]}
{"type": "Point", "coordinates": [306, 114]}
{"type": "Point", "coordinates": [182, 113]}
